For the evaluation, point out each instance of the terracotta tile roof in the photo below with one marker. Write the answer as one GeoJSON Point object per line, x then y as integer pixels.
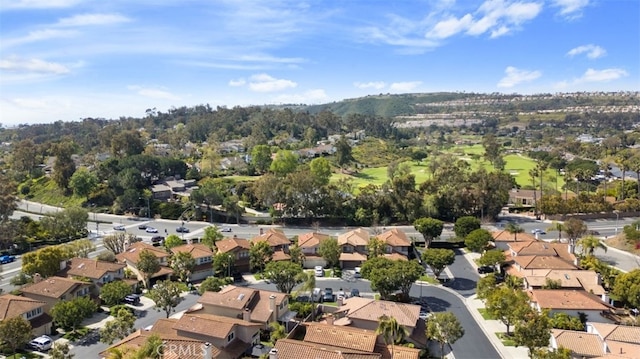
{"type": "Point", "coordinates": [566, 299]}
{"type": "Point", "coordinates": [624, 350]}
{"type": "Point", "coordinates": [584, 279]}
{"type": "Point", "coordinates": [197, 250]}
{"type": "Point", "coordinates": [311, 239]}
{"type": "Point", "coordinates": [274, 237]}
{"type": "Point", "coordinates": [214, 326]}
{"type": "Point", "coordinates": [356, 237]}
{"type": "Point", "coordinates": [504, 236]}
{"type": "Point", "coordinates": [231, 244]}
{"type": "Point", "coordinates": [280, 256]}
{"type": "Point", "coordinates": [540, 248]}
{"type": "Point", "coordinates": [353, 257]}
{"type": "Point", "coordinates": [344, 337]}
{"type": "Point", "coordinates": [186, 348]}
{"type": "Point", "coordinates": [620, 333]}
{"type": "Point", "coordinates": [399, 352]}
{"type": "Point", "coordinates": [543, 262]}
{"type": "Point", "coordinates": [296, 349]}
{"type": "Point", "coordinates": [53, 287]}
{"type": "Point", "coordinates": [163, 271]}
{"type": "Point", "coordinates": [580, 343]}
{"type": "Point", "coordinates": [90, 268]}
{"type": "Point", "coordinates": [132, 254]}
{"type": "Point", "coordinates": [395, 238]}
{"type": "Point", "coordinates": [239, 298]}
{"type": "Point", "coordinates": [372, 310]}
{"type": "Point", "coordinates": [12, 306]}
{"type": "Point", "coordinates": [396, 256]}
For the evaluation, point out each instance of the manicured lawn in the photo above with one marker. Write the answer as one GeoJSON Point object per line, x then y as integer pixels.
{"type": "Point", "coordinates": [507, 341]}
{"type": "Point", "coordinates": [485, 314]}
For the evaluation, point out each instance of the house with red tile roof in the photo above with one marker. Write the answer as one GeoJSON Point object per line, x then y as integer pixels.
{"type": "Point", "coordinates": [309, 243]}
{"type": "Point", "coordinates": [586, 280]}
{"type": "Point", "coordinates": [203, 256]}
{"type": "Point", "coordinates": [396, 242]}
{"type": "Point", "coordinates": [131, 256]}
{"type": "Point", "coordinates": [354, 247]}
{"type": "Point", "coordinates": [277, 240]}
{"type": "Point", "coordinates": [252, 305]}
{"type": "Point", "coordinates": [98, 272]}
{"type": "Point", "coordinates": [239, 248]}
{"type": "Point", "coordinates": [601, 340]}
{"type": "Point", "coordinates": [12, 306]}
{"type": "Point", "coordinates": [364, 313]}
{"type": "Point", "coordinates": [540, 255]}
{"type": "Point", "coordinates": [571, 302]}
{"type": "Point", "coordinates": [54, 289]}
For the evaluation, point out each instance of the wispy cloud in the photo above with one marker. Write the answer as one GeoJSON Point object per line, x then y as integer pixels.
{"type": "Point", "coordinates": [308, 97]}
{"type": "Point", "coordinates": [237, 82]}
{"type": "Point", "coordinates": [38, 35]}
{"type": "Point", "coordinates": [92, 19]}
{"type": "Point", "coordinates": [267, 83]}
{"type": "Point", "coordinates": [514, 76]}
{"type": "Point", "coordinates": [37, 4]}
{"type": "Point", "coordinates": [496, 17]}
{"type": "Point", "coordinates": [404, 86]}
{"type": "Point", "coordinates": [592, 51]}
{"type": "Point", "coordinates": [378, 85]}
{"type": "Point", "coordinates": [605, 75]}
{"type": "Point", "coordinates": [155, 93]}
{"type": "Point", "coordinates": [571, 8]}
{"type": "Point", "coordinates": [21, 65]}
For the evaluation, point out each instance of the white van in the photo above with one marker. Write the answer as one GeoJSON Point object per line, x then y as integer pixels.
{"type": "Point", "coordinates": [316, 295]}
{"type": "Point", "coordinates": [41, 343]}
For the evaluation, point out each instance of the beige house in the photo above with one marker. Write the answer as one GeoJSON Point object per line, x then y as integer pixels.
{"type": "Point", "coordinates": [586, 280]}
{"type": "Point", "coordinates": [99, 272]}
{"type": "Point", "coordinates": [540, 255]}
{"type": "Point", "coordinates": [131, 256]}
{"type": "Point", "coordinates": [571, 302]}
{"type": "Point", "coordinates": [601, 340]}
{"type": "Point", "coordinates": [277, 240]}
{"type": "Point", "coordinates": [354, 247]}
{"type": "Point", "coordinates": [203, 256]}
{"type": "Point", "coordinates": [239, 248]}
{"type": "Point", "coordinates": [365, 313]}
{"type": "Point", "coordinates": [251, 305]}
{"type": "Point", "coordinates": [309, 243]}
{"type": "Point", "coordinates": [55, 289]}
{"type": "Point", "coordinates": [12, 306]}
{"type": "Point", "coordinates": [396, 241]}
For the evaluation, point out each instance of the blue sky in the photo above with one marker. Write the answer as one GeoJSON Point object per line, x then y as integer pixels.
{"type": "Point", "coordinates": [71, 59]}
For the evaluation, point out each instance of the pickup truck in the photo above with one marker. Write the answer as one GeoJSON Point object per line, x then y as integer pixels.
{"type": "Point", "coordinates": [4, 259]}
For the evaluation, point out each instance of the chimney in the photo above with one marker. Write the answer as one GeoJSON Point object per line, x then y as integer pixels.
{"type": "Point", "coordinates": [272, 306]}
{"type": "Point", "coordinates": [37, 278]}
{"type": "Point", "coordinates": [63, 265]}
{"type": "Point", "coordinates": [330, 319]}
{"type": "Point", "coordinates": [206, 351]}
{"type": "Point", "coordinates": [339, 301]}
{"type": "Point", "coordinates": [261, 231]}
{"type": "Point", "coordinates": [273, 353]}
{"type": "Point", "coordinates": [246, 315]}
{"type": "Point", "coordinates": [571, 247]}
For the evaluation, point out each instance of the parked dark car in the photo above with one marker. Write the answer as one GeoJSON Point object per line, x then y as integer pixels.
{"type": "Point", "coordinates": [593, 233]}
{"type": "Point", "coordinates": [142, 226]}
{"type": "Point", "coordinates": [182, 229]}
{"type": "Point", "coordinates": [237, 277]}
{"type": "Point", "coordinates": [355, 292]}
{"type": "Point", "coordinates": [486, 269]}
{"type": "Point", "coordinates": [132, 299]}
{"type": "Point", "coordinates": [327, 296]}
{"type": "Point", "coordinates": [4, 259]}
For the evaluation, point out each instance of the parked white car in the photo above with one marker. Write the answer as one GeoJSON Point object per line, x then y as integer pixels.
{"type": "Point", "coordinates": [41, 343]}
{"type": "Point", "coordinates": [318, 271]}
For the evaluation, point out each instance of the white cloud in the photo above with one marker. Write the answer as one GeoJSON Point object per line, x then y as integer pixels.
{"type": "Point", "coordinates": [404, 86]}
{"type": "Point", "coordinates": [38, 35]}
{"type": "Point", "coordinates": [570, 8]}
{"type": "Point", "coordinates": [37, 4]}
{"type": "Point", "coordinates": [496, 17]}
{"type": "Point", "coordinates": [19, 65]}
{"type": "Point", "coordinates": [309, 97]}
{"type": "Point", "coordinates": [154, 93]}
{"type": "Point", "coordinates": [368, 85]}
{"type": "Point", "coordinates": [266, 83]}
{"type": "Point", "coordinates": [605, 75]}
{"type": "Point", "coordinates": [516, 76]}
{"type": "Point", "coordinates": [237, 82]}
{"type": "Point", "coordinates": [92, 19]}
{"type": "Point", "coordinates": [592, 51]}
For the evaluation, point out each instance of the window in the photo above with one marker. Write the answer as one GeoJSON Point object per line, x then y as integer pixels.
{"type": "Point", "coordinates": [230, 337]}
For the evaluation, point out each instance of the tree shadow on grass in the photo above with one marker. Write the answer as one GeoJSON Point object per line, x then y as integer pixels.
{"type": "Point", "coordinates": [364, 176]}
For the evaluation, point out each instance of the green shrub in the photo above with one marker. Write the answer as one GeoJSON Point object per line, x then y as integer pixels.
{"type": "Point", "coordinates": [116, 308]}
{"type": "Point", "coordinates": [303, 309]}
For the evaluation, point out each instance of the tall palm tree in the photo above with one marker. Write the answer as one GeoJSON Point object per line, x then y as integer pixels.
{"type": "Point", "coordinates": [308, 280]}
{"type": "Point", "coordinates": [622, 160]}
{"type": "Point", "coordinates": [514, 229]}
{"type": "Point", "coordinates": [605, 167]}
{"type": "Point", "coordinates": [541, 167]}
{"type": "Point", "coordinates": [557, 226]}
{"type": "Point", "coordinates": [589, 245]}
{"type": "Point", "coordinates": [391, 331]}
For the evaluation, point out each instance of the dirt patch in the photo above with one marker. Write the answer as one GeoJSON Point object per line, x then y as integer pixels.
{"type": "Point", "coordinates": [621, 243]}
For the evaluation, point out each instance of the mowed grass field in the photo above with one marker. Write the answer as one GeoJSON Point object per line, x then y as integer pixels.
{"type": "Point", "coordinates": [516, 164]}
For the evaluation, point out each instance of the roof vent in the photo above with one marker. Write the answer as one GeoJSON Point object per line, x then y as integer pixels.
{"type": "Point", "coordinates": [81, 265]}
{"type": "Point", "coordinates": [566, 276]}
{"type": "Point", "coordinates": [241, 296]}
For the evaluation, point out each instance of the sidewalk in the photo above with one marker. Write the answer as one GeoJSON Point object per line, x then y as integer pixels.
{"type": "Point", "coordinates": [491, 327]}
